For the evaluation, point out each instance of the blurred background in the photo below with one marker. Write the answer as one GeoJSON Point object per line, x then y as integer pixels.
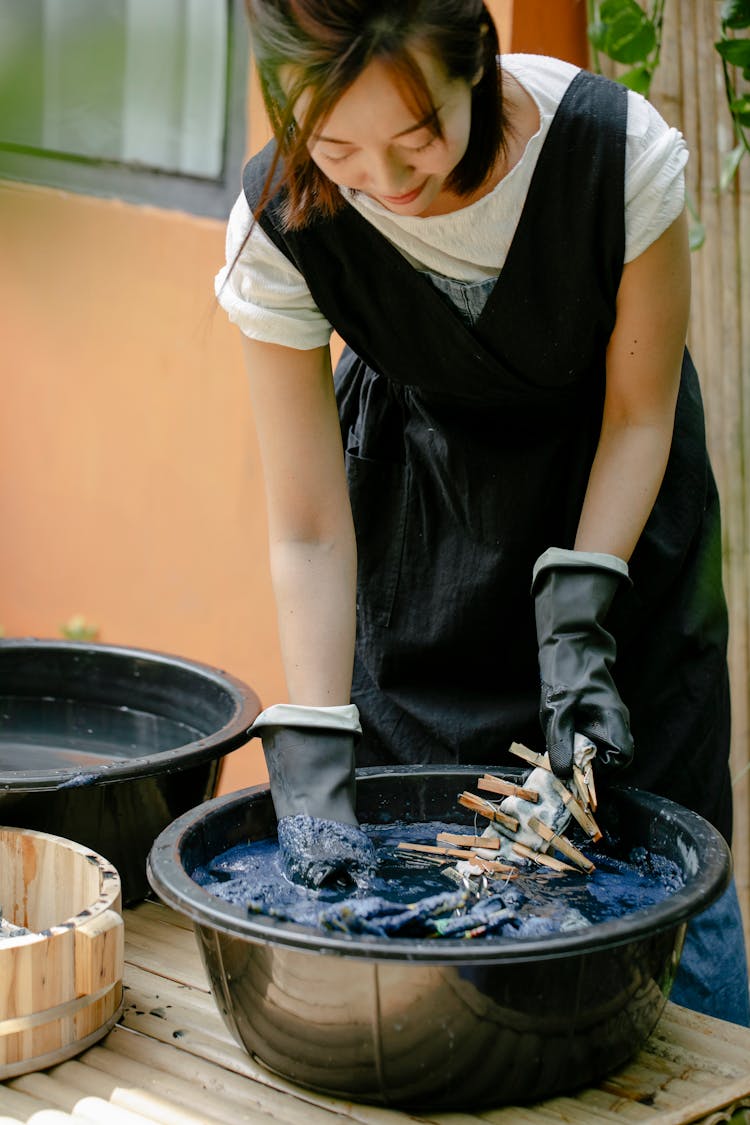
{"type": "Point", "coordinates": [131, 498]}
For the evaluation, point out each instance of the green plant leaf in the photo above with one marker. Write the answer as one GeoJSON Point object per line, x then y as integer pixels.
{"type": "Point", "coordinates": [597, 33]}
{"type": "Point", "coordinates": [623, 31]}
{"type": "Point", "coordinates": [735, 51]}
{"type": "Point", "coordinates": [729, 165]}
{"type": "Point", "coordinates": [696, 235]}
{"type": "Point", "coordinates": [638, 79]}
{"type": "Point", "coordinates": [740, 109]}
{"type": "Point", "coordinates": [78, 629]}
{"type": "Point", "coordinates": [735, 13]}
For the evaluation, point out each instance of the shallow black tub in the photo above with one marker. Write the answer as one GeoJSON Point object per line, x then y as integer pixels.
{"type": "Point", "coordinates": [439, 1024]}
{"type": "Point", "coordinates": [106, 745]}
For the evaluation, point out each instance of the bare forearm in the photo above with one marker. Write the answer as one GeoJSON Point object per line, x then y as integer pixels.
{"type": "Point", "coordinates": [311, 534]}
{"type": "Point", "coordinates": [644, 361]}
{"type": "Point", "coordinates": [315, 585]}
{"type": "Point", "coordinates": [625, 478]}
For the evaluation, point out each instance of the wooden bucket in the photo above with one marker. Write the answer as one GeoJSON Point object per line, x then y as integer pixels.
{"type": "Point", "coordinates": [61, 985]}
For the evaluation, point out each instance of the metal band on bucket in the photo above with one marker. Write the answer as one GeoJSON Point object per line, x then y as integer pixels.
{"type": "Point", "coordinates": [59, 1011]}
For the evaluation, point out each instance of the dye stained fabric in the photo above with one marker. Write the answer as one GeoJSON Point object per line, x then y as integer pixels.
{"type": "Point", "coordinates": [550, 809]}
{"type": "Point", "coordinates": [315, 851]}
{"type": "Point", "coordinates": [407, 897]}
{"type": "Point", "coordinates": [10, 930]}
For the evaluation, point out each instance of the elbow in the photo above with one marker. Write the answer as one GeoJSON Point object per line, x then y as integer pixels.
{"type": "Point", "coordinates": [315, 543]}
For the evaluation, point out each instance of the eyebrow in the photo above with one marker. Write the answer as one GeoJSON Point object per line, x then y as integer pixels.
{"type": "Point", "coordinates": [426, 120]}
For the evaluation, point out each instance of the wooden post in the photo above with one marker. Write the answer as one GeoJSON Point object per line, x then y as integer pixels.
{"type": "Point", "coordinates": [688, 91]}
{"type": "Point", "coordinates": [543, 28]}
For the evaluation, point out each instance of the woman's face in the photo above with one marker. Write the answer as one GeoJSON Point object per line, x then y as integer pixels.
{"type": "Point", "coordinates": [372, 142]}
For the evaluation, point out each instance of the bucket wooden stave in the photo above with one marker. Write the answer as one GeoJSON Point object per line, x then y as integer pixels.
{"type": "Point", "coordinates": [61, 984]}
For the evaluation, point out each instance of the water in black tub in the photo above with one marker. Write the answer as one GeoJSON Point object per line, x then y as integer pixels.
{"type": "Point", "coordinates": [48, 733]}
{"type": "Point", "coordinates": [410, 897]}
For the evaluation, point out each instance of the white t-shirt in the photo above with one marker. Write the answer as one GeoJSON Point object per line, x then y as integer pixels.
{"type": "Point", "coordinates": [267, 297]}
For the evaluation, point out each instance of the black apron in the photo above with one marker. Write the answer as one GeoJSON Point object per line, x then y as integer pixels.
{"type": "Point", "coordinates": [468, 451]}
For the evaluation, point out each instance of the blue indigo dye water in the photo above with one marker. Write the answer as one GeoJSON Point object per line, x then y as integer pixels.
{"type": "Point", "coordinates": [408, 896]}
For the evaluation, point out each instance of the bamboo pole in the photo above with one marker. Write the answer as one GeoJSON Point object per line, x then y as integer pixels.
{"type": "Point", "coordinates": [741, 686]}
{"type": "Point", "coordinates": [688, 90]}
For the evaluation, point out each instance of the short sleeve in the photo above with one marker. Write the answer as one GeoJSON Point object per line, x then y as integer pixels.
{"type": "Point", "coordinates": [656, 156]}
{"type": "Point", "coordinates": [262, 292]}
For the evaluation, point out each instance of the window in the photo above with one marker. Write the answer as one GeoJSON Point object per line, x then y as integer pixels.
{"type": "Point", "coordinates": [139, 99]}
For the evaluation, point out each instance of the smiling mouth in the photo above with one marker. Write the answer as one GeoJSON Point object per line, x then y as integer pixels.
{"type": "Point", "coordinates": [407, 197]}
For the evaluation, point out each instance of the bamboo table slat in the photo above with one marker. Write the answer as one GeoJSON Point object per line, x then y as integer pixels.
{"type": "Point", "coordinates": [171, 1061]}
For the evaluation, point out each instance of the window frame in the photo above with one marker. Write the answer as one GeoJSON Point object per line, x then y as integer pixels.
{"type": "Point", "coordinates": [168, 190]}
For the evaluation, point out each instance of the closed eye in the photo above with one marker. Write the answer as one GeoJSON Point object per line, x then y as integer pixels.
{"type": "Point", "coordinates": [421, 148]}
{"type": "Point", "coordinates": [339, 158]}
{"type": "Point", "coordinates": [336, 159]}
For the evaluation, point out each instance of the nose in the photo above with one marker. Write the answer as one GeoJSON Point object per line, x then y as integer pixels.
{"type": "Point", "coordinates": [388, 173]}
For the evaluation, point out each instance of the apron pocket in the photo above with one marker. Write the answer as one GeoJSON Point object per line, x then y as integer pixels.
{"type": "Point", "coordinates": [378, 491]}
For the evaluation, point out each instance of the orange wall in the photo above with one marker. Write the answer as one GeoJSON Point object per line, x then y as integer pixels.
{"type": "Point", "coordinates": [130, 484]}
{"type": "Point", "coordinates": [551, 27]}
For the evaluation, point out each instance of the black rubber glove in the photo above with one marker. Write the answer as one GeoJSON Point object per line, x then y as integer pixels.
{"type": "Point", "coordinates": [311, 771]}
{"type": "Point", "coordinates": [573, 591]}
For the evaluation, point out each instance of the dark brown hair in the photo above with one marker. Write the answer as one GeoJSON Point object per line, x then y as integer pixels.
{"type": "Point", "coordinates": [326, 44]}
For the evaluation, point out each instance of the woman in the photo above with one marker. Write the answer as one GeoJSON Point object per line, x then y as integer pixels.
{"type": "Point", "coordinates": [523, 490]}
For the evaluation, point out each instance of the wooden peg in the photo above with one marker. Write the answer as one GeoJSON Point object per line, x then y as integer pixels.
{"type": "Point", "coordinates": [489, 842]}
{"type": "Point", "coordinates": [493, 784]}
{"type": "Point", "coordinates": [530, 756]}
{"type": "Point", "coordinates": [464, 854]}
{"type": "Point", "coordinates": [561, 844]}
{"type": "Point", "coordinates": [588, 774]}
{"type": "Point", "coordinates": [487, 809]}
{"type": "Point", "coordinates": [542, 859]}
{"type": "Point", "coordinates": [581, 786]}
{"type": "Point", "coordinates": [433, 849]}
{"type": "Point", "coordinates": [585, 819]}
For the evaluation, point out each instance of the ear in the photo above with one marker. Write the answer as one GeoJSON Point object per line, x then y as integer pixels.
{"type": "Point", "coordinates": [478, 76]}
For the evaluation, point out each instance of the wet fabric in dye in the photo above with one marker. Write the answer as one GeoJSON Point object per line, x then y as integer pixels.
{"type": "Point", "coordinates": [409, 897]}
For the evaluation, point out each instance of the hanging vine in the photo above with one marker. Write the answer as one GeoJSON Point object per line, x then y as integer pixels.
{"type": "Point", "coordinates": [631, 34]}
{"type": "Point", "coordinates": [735, 59]}
{"type": "Point", "coordinates": [625, 32]}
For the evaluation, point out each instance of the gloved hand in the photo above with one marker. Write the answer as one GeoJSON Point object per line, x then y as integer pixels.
{"type": "Point", "coordinates": [309, 752]}
{"type": "Point", "coordinates": [573, 591]}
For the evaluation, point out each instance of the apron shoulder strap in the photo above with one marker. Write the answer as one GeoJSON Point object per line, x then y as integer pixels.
{"type": "Point", "coordinates": [254, 180]}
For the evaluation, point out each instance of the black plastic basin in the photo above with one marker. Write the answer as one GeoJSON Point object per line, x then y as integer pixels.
{"type": "Point", "coordinates": [439, 1024]}
{"type": "Point", "coordinates": [106, 745]}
